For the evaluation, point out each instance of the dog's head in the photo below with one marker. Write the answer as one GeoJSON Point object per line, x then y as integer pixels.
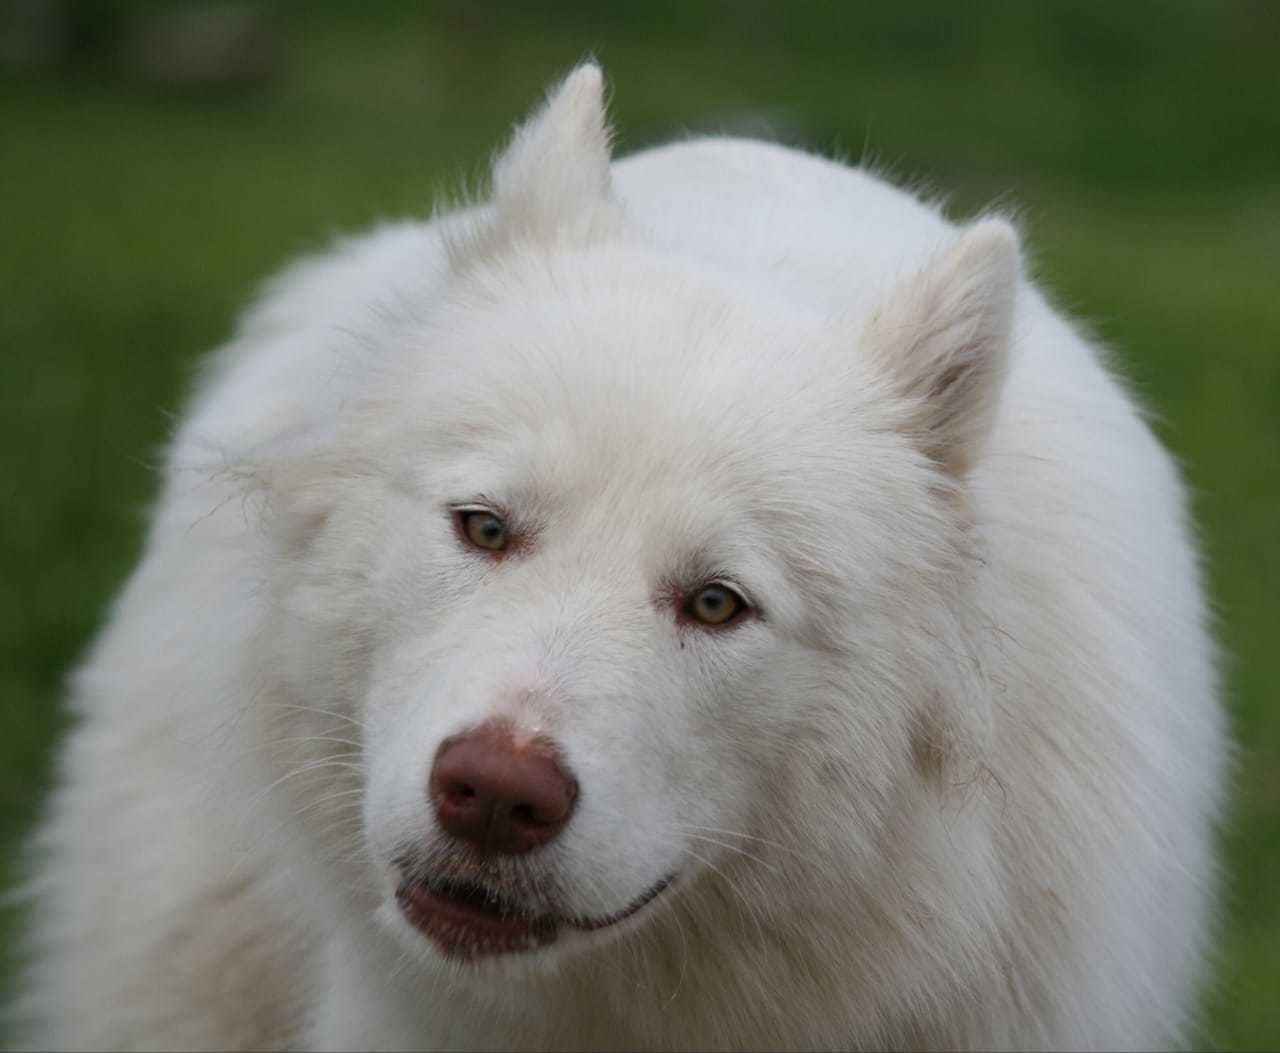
{"type": "Point", "coordinates": [615, 584]}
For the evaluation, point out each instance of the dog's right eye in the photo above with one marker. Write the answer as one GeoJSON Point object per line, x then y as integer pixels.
{"type": "Point", "coordinates": [482, 528]}
{"type": "Point", "coordinates": [715, 605]}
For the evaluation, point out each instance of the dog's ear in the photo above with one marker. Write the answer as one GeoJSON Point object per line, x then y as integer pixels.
{"type": "Point", "coordinates": [942, 337]}
{"type": "Point", "coordinates": [558, 161]}
{"type": "Point", "coordinates": [551, 184]}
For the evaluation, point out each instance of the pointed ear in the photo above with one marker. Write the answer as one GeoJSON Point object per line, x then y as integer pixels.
{"type": "Point", "coordinates": [557, 165]}
{"type": "Point", "coordinates": [942, 337]}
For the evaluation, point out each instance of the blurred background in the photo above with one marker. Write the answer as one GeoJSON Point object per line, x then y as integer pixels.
{"type": "Point", "coordinates": [158, 160]}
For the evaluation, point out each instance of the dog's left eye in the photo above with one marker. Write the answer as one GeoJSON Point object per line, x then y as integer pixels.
{"type": "Point", "coordinates": [715, 605]}
{"type": "Point", "coordinates": [483, 529]}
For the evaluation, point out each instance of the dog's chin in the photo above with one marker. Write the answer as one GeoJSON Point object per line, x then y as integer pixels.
{"type": "Point", "coordinates": [472, 923]}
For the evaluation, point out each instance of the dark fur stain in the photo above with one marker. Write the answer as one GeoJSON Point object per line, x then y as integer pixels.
{"type": "Point", "coordinates": [927, 750]}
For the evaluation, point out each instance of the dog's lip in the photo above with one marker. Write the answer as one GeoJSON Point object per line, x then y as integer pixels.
{"type": "Point", "coordinates": [592, 924]}
{"type": "Point", "coordinates": [468, 921]}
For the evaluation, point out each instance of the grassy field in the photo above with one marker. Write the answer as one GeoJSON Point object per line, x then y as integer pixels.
{"type": "Point", "coordinates": [1138, 141]}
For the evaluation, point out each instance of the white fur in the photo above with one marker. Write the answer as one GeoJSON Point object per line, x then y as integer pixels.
{"type": "Point", "coordinates": [954, 788]}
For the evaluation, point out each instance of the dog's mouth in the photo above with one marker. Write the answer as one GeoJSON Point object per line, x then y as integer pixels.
{"type": "Point", "coordinates": [468, 921]}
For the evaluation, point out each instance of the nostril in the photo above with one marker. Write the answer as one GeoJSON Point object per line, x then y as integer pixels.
{"type": "Point", "coordinates": [526, 816]}
{"type": "Point", "coordinates": [458, 792]}
{"type": "Point", "coordinates": [547, 813]}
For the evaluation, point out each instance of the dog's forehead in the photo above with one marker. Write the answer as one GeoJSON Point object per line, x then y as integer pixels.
{"type": "Point", "coordinates": [633, 393]}
{"type": "Point", "coordinates": [633, 454]}
{"type": "Point", "coordinates": [619, 329]}
{"type": "Point", "coordinates": [635, 359]}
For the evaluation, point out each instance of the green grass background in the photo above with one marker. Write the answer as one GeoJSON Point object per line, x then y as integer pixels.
{"type": "Point", "coordinates": [1140, 142]}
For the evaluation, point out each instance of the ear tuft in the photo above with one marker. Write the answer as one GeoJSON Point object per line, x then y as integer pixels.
{"type": "Point", "coordinates": [557, 166]}
{"type": "Point", "coordinates": [943, 338]}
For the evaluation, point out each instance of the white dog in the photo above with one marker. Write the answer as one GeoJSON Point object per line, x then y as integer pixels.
{"type": "Point", "coordinates": [704, 601]}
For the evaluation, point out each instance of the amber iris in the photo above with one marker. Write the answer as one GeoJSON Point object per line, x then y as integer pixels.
{"type": "Point", "coordinates": [484, 529]}
{"type": "Point", "coordinates": [715, 605]}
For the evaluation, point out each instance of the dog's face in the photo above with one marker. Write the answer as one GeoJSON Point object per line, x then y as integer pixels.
{"type": "Point", "coordinates": [612, 569]}
{"type": "Point", "coordinates": [613, 577]}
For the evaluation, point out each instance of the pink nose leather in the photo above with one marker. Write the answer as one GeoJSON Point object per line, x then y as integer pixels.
{"type": "Point", "coordinates": [501, 795]}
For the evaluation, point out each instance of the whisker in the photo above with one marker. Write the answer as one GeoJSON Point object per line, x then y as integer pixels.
{"type": "Point", "coordinates": [322, 712]}
{"type": "Point", "coordinates": [311, 766]}
{"type": "Point", "coordinates": [358, 751]}
{"type": "Point", "coordinates": [311, 806]}
{"type": "Point", "coordinates": [733, 848]}
{"type": "Point", "coordinates": [751, 907]}
{"type": "Point", "coordinates": [804, 857]}
{"type": "Point", "coordinates": [684, 951]}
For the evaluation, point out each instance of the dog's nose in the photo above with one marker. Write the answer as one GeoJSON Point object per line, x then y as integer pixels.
{"type": "Point", "coordinates": [502, 794]}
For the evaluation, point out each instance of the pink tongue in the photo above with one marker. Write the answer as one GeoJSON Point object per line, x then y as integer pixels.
{"type": "Point", "coordinates": [467, 930]}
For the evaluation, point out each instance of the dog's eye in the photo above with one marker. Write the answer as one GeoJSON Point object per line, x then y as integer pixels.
{"type": "Point", "coordinates": [715, 604]}
{"type": "Point", "coordinates": [483, 529]}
